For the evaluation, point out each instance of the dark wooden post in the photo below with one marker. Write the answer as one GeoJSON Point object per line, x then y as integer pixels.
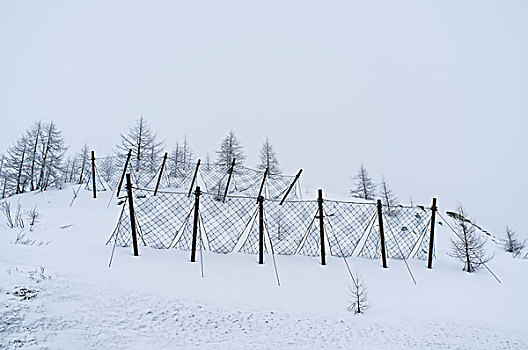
{"type": "Point", "coordinates": [291, 186]}
{"type": "Point", "coordinates": [382, 234]}
{"type": "Point", "coordinates": [431, 235]}
{"type": "Point", "coordinates": [161, 173]}
{"type": "Point", "coordinates": [194, 177]}
{"type": "Point", "coordinates": [132, 214]}
{"type": "Point", "coordinates": [321, 226]}
{"type": "Point", "coordinates": [262, 183]}
{"type": "Point", "coordinates": [197, 194]}
{"type": "Point", "coordinates": [229, 180]}
{"type": "Point", "coordinates": [93, 175]}
{"type": "Point", "coordinates": [124, 172]}
{"type": "Point", "coordinates": [261, 229]}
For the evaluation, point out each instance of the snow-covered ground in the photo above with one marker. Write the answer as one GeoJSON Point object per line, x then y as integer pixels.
{"type": "Point", "coordinates": [160, 300]}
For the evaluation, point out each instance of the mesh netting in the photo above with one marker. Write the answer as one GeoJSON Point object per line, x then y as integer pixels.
{"type": "Point", "coordinates": [212, 177]}
{"type": "Point", "coordinates": [288, 223]}
{"type": "Point", "coordinates": [407, 229]}
{"type": "Point", "coordinates": [351, 229]}
{"type": "Point", "coordinates": [111, 168]}
{"type": "Point", "coordinates": [346, 225]}
{"type": "Point", "coordinates": [249, 243]}
{"type": "Point", "coordinates": [405, 234]}
{"type": "Point", "coordinates": [159, 219]}
{"type": "Point", "coordinates": [224, 223]}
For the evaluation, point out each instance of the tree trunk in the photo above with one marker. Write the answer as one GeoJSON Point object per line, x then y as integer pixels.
{"type": "Point", "coordinates": [33, 159]}
{"type": "Point", "coordinates": [19, 176]}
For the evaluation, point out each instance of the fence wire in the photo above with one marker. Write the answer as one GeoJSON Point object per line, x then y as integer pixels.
{"type": "Point", "coordinates": [212, 177]}
{"type": "Point", "coordinates": [224, 223]}
{"type": "Point", "coordinates": [347, 223]}
{"type": "Point", "coordinates": [351, 229]}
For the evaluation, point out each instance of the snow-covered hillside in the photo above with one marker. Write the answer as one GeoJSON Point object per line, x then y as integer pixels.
{"type": "Point", "coordinates": [160, 299]}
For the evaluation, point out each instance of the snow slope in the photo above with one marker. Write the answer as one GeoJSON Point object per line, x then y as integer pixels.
{"type": "Point", "coordinates": [160, 300]}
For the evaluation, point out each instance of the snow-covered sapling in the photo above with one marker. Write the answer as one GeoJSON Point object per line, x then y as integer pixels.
{"type": "Point", "coordinates": [359, 295]}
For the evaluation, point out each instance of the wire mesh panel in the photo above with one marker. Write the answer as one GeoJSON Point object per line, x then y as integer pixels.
{"type": "Point", "coordinates": [293, 228]}
{"type": "Point", "coordinates": [345, 225]}
{"type": "Point", "coordinates": [371, 245]}
{"type": "Point", "coordinates": [288, 223]}
{"type": "Point", "coordinates": [122, 235]}
{"type": "Point", "coordinates": [184, 240]}
{"type": "Point", "coordinates": [407, 228]}
{"type": "Point", "coordinates": [311, 243]}
{"type": "Point", "coordinates": [404, 229]}
{"type": "Point", "coordinates": [100, 183]}
{"type": "Point", "coordinates": [278, 184]}
{"type": "Point", "coordinates": [214, 178]}
{"type": "Point", "coordinates": [247, 180]}
{"type": "Point", "coordinates": [225, 222]}
{"type": "Point", "coordinates": [159, 219]}
{"type": "Point", "coordinates": [251, 242]}
{"type": "Point", "coordinates": [111, 168]}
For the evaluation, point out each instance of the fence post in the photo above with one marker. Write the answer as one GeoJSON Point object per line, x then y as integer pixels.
{"type": "Point", "coordinates": [194, 177]}
{"type": "Point", "coordinates": [197, 194]}
{"type": "Point", "coordinates": [431, 235]}
{"type": "Point", "coordinates": [382, 235]}
{"type": "Point", "coordinates": [132, 214]}
{"type": "Point", "coordinates": [321, 225]}
{"type": "Point", "coordinates": [124, 172]}
{"type": "Point", "coordinates": [261, 229]}
{"type": "Point", "coordinates": [93, 175]}
{"type": "Point", "coordinates": [291, 186]}
{"type": "Point", "coordinates": [161, 173]}
{"type": "Point", "coordinates": [229, 179]}
{"type": "Point", "coordinates": [262, 183]}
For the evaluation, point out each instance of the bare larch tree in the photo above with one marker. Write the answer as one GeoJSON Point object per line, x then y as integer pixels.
{"type": "Point", "coordinates": [82, 159]}
{"type": "Point", "coordinates": [364, 187]}
{"type": "Point", "coordinates": [268, 158]}
{"type": "Point", "coordinates": [143, 142]}
{"type": "Point", "coordinates": [230, 149]}
{"type": "Point", "coordinates": [388, 197]}
{"type": "Point", "coordinates": [180, 159]}
{"type": "Point", "coordinates": [52, 151]}
{"type": "Point", "coordinates": [469, 245]}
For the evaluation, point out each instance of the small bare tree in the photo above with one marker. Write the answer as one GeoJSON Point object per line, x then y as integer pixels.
{"type": "Point", "coordinates": [512, 244]}
{"type": "Point", "coordinates": [268, 158]}
{"type": "Point", "coordinates": [468, 246]}
{"type": "Point", "coordinates": [230, 149]}
{"type": "Point", "coordinates": [388, 197]}
{"type": "Point", "coordinates": [359, 295]}
{"type": "Point", "coordinates": [364, 187]}
{"type": "Point", "coordinates": [146, 147]}
{"type": "Point", "coordinates": [33, 217]}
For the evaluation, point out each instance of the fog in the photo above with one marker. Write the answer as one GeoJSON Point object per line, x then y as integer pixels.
{"type": "Point", "coordinates": [431, 95]}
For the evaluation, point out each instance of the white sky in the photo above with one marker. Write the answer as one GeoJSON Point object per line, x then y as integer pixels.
{"type": "Point", "coordinates": [432, 95]}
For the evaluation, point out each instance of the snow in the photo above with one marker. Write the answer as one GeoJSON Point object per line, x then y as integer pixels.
{"type": "Point", "coordinates": [160, 300]}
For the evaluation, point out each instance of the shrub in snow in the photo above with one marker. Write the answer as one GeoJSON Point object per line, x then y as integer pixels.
{"type": "Point", "coordinates": [13, 219]}
{"type": "Point", "coordinates": [33, 217]}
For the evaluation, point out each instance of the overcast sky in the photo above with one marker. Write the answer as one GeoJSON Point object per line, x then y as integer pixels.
{"type": "Point", "coordinates": [431, 94]}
